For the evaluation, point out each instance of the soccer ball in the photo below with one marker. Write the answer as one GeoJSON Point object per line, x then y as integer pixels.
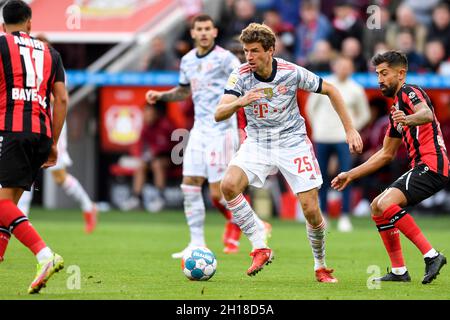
{"type": "Point", "coordinates": [199, 263]}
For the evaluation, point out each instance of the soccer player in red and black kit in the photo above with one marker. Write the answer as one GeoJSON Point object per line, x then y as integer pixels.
{"type": "Point", "coordinates": [30, 71]}
{"type": "Point", "coordinates": [412, 120]}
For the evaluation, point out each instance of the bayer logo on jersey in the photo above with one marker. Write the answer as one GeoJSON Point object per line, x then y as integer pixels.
{"type": "Point", "coordinates": [199, 263]}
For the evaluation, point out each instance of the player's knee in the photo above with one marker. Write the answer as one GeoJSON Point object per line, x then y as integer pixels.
{"type": "Point", "coordinates": [375, 207]}
{"type": "Point", "coordinates": [229, 188]}
{"type": "Point", "coordinates": [310, 208]}
{"type": "Point", "coordinates": [59, 177]}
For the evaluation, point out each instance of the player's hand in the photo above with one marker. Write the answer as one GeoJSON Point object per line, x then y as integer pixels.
{"type": "Point", "coordinates": [399, 117]}
{"type": "Point", "coordinates": [52, 157]}
{"type": "Point", "coordinates": [341, 181]}
{"type": "Point", "coordinates": [152, 96]}
{"type": "Point", "coordinates": [251, 96]}
{"type": "Point", "coordinates": [354, 141]}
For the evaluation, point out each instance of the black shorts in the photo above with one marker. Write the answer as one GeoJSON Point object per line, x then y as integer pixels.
{"type": "Point", "coordinates": [419, 183]}
{"type": "Point", "coordinates": [21, 156]}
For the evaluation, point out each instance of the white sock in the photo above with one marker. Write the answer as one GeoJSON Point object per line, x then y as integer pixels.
{"type": "Point", "coordinates": [431, 254]}
{"type": "Point", "coordinates": [316, 237]}
{"type": "Point", "coordinates": [399, 271]}
{"type": "Point", "coordinates": [25, 202]}
{"type": "Point", "coordinates": [247, 220]}
{"type": "Point", "coordinates": [194, 210]}
{"type": "Point", "coordinates": [73, 189]}
{"type": "Point", "coordinates": [44, 254]}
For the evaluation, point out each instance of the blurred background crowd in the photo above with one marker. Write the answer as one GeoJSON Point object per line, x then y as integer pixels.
{"type": "Point", "coordinates": [334, 38]}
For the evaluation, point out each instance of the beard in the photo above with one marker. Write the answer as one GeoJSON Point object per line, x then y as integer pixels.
{"type": "Point", "coordinates": [388, 91]}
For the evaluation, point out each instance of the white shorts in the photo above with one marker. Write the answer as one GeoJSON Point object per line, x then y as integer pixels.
{"type": "Point", "coordinates": [64, 159]}
{"type": "Point", "coordinates": [298, 164]}
{"type": "Point", "coordinates": [208, 155]}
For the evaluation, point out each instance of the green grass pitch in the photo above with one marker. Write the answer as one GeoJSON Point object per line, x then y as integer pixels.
{"type": "Point", "coordinates": [128, 257]}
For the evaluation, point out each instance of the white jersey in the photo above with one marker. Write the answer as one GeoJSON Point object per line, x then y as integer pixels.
{"type": "Point", "coordinates": [276, 118]}
{"type": "Point", "coordinates": [207, 75]}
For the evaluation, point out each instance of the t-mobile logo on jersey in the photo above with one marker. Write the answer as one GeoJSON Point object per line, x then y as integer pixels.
{"type": "Point", "coordinates": [260, 110]}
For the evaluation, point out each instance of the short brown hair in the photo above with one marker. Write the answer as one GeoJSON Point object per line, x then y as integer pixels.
{"type": "Point", "coordinates": [201, 18]}
{"type": "Point", "coordinates": [392, 58]}
{"type": "Point", "coordinates": [260, 33]}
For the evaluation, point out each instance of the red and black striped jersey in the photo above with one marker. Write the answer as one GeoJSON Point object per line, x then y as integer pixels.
{"type": "Point", "coordinates": [424, 143]}
{"type": "Point", "coordinates": [28, 70]}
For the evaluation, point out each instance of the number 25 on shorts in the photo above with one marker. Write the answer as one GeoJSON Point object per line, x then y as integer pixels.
{"type": "Point", "coordinates": [303, 164]}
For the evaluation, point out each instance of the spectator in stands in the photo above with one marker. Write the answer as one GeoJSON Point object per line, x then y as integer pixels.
{"type": "Point", "coordinates": [313, 27]}
{"type": "Point", "coordinates": [244, 12]}
{"type": "Point", "coordinates": [284, 30]}
{"type": "Point", "coordinates": [422, 9]}
{"type": "Point", "coordinates": [320, 59]}
{"type": "Point", "coordinates": [434, 56]}
{"type": "Point", "coordinates": [440, 26]}
{"type": "Point", "coordinates": [444, 68]}
{"type": "Point", "coordinates": [405, 43]}
{"type": "Point", "coordinates": [406, 20]}
{"type": "Point", "coordinates": [288, 10]}
{"type": "Point", "coordinates": [380, 47]}
{"type": "Point", "coordinates": [346, 23]}
{"type": "Point", "coordinates": [235, 46]}
{"type": "Point", "coordinates": [160, 58]}
{"type": "Point", "coordinates": [351, 48]}
{"type": "Point", "coordinates": [328, 135]}
{"type": "Point", "coordinates": [281, 51]}
{"type": "Point", "coordinates": [153, 150]}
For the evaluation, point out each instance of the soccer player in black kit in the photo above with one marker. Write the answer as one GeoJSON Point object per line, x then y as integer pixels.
{"type": "Point", "coordinates": [30, 71]}
{"type": "Point", "coordinates": [412, 120]}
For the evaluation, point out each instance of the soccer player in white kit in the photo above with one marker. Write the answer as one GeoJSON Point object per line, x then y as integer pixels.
{"type": "Point", "coordinates": [65, 180]}
{"type": "Point", "coordinates": [266, 88]}
{"type": "Point", "coordinates": [203, 73]}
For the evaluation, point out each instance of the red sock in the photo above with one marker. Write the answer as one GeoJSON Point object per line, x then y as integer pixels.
{"type": "Point", "coordinates": [4, 239]}
{"type": "Point", "coordinates": [19, 225]}
{"type": "Point", "coordinates": [406, 224]}
{"type": "Point", "coordinates": [391, 239]}
{"type": "Point", "coordinates": [226, 213]}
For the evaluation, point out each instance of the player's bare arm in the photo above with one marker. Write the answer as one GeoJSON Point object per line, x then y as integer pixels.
{"type": "Point", "coordinates": [178, 93]}
{"type": "Point", "coordinates": [422, 115]}
{"type": "Point", "coordinates": [378, 160]}
{"type": "Point", "coordinates": [60, 101]}
{"type": "Point", "coordinates": [229, 103]}
{"type": "Point", "coordinates": [353, 138]}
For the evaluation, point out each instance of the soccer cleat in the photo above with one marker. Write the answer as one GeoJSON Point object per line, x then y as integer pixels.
{"type": "Point", "coordinates": [390, 276]}
{"type": "Point", "coordinates": [44, 271]}
{"type": "Point", "coordinates": [179, 255]}
{"type": "Point", "coordinates": [231, 237]}
{"type": "Point", "coordinates": [325, 275]}
{"type": "Point", "coordinates": [90, 219]}
{"type": "Point", "coordinates": [261, 257]}
{"type": "Point", "coordinates": [432, 267]}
